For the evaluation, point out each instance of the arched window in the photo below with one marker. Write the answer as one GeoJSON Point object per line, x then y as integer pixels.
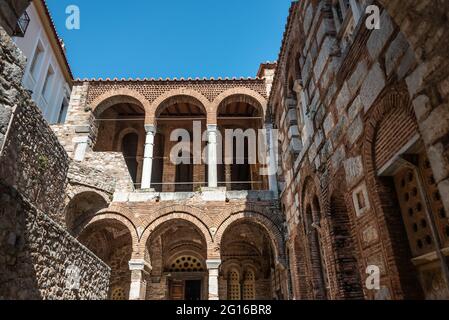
{"type": "Point", "coordinates": [234, 285]}
{"type": "Point", "coordinates": [249, 286]}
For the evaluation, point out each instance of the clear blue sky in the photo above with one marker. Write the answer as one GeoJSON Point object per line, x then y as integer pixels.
{"type": "Point", "coordinates": [172, 38]}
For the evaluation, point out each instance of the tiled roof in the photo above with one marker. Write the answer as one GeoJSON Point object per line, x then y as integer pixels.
{"type": "Point", "coordinates": [167, 79]}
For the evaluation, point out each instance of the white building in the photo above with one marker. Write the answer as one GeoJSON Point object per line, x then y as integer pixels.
{"type": "Point", "coordinates": [47, 74]}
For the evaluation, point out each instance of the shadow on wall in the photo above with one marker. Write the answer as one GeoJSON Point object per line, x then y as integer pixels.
{"type": "Point", "coordinates": [18, 278]}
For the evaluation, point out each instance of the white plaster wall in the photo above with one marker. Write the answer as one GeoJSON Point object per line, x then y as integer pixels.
{"type": "Point", "coordinates": [59, 88]}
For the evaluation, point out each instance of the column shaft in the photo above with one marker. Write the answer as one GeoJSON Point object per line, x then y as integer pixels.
{"type": "Point", "coordinates": [212, 156]}
{"type": "Point", "coordinates": [148, 157]}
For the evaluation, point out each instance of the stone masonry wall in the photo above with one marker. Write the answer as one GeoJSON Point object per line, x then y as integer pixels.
{"type": "Point", "coordinates": [37, 256]}
{"type": "Point", "coordinates": [31, 160]}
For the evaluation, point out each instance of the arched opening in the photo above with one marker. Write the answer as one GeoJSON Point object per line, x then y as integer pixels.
{"type": "Point", "coordinates": [417, 207]}
{"type": "Point", "coordinates": [248, 268]}
{"type": "Point", "coordinates": [120, 124]}
{"type": "Point", "coordinates": [178, 165]}
{"type": "Point", "coordinates": [111, 241]}
{"type": "Point", "coordinates": [320, 281]}
{"type": "Point", "coordinates": [239, 118]}
{"type": "Point", "coordinates": [178, 251]}
{"type": "Point", "coordinates": [348, 278]}
{"type": "Point", "coordinates": [81, 207]}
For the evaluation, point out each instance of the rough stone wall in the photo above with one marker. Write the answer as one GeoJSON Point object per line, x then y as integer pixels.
{"type": "Point", "coordinates": [112, 164]}
{"type": "Point", "coordinates": [331, 92]}
{"type": "Point", "coordinates": [36, 256]}
{"type": "Point", "coordinates": [31, 158]}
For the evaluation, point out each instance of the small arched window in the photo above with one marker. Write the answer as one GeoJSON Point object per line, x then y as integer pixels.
{"type": "Point", "coordinates": [234, 285]}
{"type": "Point", "coordinates": [249, 286]}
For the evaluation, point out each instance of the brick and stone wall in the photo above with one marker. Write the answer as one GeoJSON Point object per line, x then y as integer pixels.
{"type": "Point", "coordinates": [343, 99]}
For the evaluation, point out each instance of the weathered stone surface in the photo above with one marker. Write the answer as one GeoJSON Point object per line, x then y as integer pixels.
{"type": "Point", "coordinates": [373, 85]}
{"type": "Point", "coordinates": [40, 256]}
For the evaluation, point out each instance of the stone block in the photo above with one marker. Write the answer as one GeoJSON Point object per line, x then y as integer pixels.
{"type": "Point", "coordinates": [372, 86]}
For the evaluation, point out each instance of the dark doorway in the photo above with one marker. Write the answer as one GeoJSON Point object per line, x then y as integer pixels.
{"type": "Point", "coordinates": [129, 147]}
{"type": "Point", "coordinates": [193, 290]}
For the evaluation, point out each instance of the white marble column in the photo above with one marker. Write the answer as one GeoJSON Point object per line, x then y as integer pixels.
{"type": "Point", "coordinates": [272, 159]}
{"type": "Point", "coordinates": [212, 155]}
{"type": "Point", "coordinates": [138, 286]}
{"type": "Point", "coordinates": [148, 157]}
{"type": "Point", "coordinates": [213, 268]}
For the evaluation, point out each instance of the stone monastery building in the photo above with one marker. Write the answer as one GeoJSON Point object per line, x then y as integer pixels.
{"type": "Point", "coordinates": [358, 119]}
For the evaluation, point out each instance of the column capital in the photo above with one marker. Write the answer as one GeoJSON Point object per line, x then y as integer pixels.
{"type": "Point", "coordinates": [150, 128]}
{"type": "Point", "coordinates": [139, 265]}
{"type": "Point", "coordinates": [213, 263]}
{"type": "Point", "coordinates": [212, 127]}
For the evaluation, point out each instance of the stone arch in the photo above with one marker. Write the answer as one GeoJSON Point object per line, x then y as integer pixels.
{"type": "Point", "coordinates": [92, 202]}
{"type": "Point", "coordinates": [181, 93]}
{"type": "Point", "coordinates": [273, 231]}
{"type": "Point", "coordinates": [108, 217]}
{"type": "Point", "coordinates": [240, 94]}
{"type": "Point", "coordinates": [123, 95]}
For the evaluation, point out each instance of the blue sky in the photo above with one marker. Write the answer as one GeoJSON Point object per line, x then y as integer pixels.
{"type": "Point", "coordinates": [174, 38]}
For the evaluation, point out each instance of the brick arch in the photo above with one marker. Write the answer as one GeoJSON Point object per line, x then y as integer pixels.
{"type": "Point", "coordinates": [181, 92]}
{"type": "Point", "coordinates": [175, 215]}
{"type": "Point", "coordinates": [310, 189]}
{"type": "Point", "coordinates": [110, 217]}
{"type": "Point", "coordinates": [273, 231]}
{"type": "Point", "coordinates": [392, 98]}
{"type": "Point", "coordinates": [123, 95]}
{"type": "Point", "coordinates": [242, 93]}
{"type": "Point", "coordinates": [194, 211]}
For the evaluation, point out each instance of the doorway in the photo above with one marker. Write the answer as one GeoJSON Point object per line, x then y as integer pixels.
{"type": "Point", "coordinates": [188, 290]}
{"type": "Point", "coordinates": [193, 290]}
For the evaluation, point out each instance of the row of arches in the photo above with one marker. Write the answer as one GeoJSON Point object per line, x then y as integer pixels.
{"type": "Point", "coordinates": [121, 121]}
{"type": "Point", "coordinates": [178, 247]}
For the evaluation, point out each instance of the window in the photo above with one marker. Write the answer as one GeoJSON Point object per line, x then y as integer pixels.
{"type": "Point", "coordinates": [234, 285]}
{"type": "Point", "coordinates": [340, 8]}
{"type": "Point", "coordinates": [249, 290]}
{"type": "Point", "coordinates": [46, 89]}
{"type": "Point", "coordinates": [414, 190]}
{"type": "Point", "coordinates": [63, 112]}
{"type": "Point", "coordinates": [37, 61]}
